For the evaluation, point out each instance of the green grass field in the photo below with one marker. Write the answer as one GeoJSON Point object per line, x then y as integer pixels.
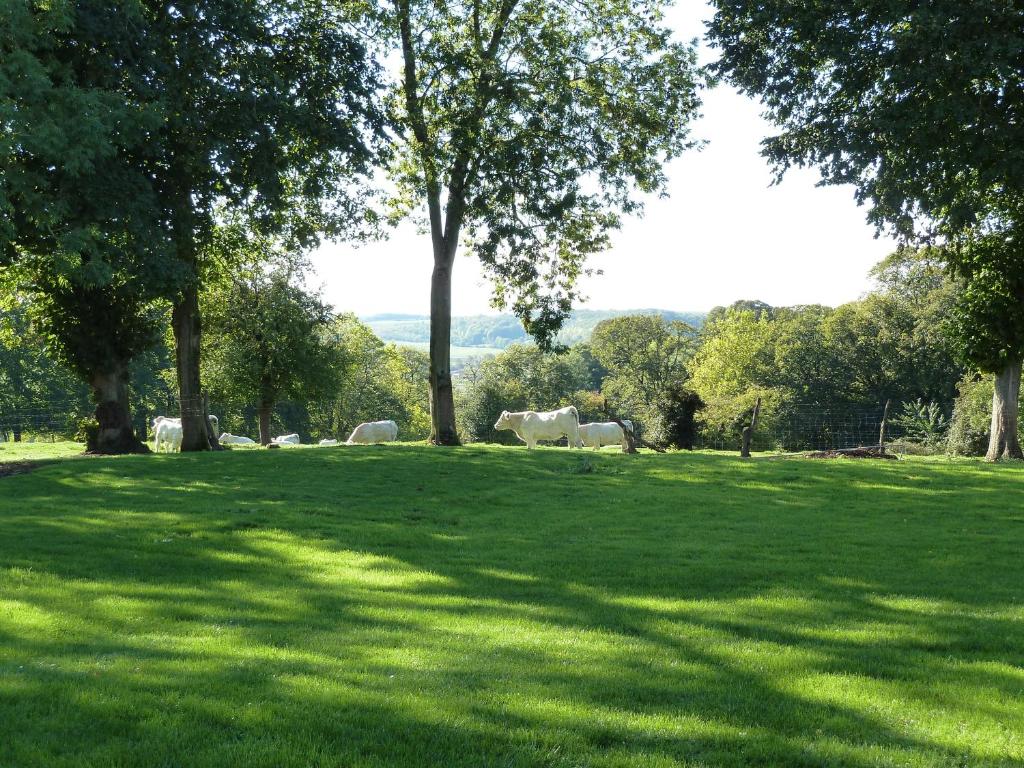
{"type": "Point", "coordinates": [413, 606]}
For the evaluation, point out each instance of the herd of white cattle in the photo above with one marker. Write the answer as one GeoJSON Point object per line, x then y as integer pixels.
{"type": "Point", "coordinates": [528, 426]}
{"type": "Point", "coordinates": [167, 435]}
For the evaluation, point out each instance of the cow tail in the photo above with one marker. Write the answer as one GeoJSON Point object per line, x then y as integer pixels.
{"type": "Point", "coordinates": [575, 414]}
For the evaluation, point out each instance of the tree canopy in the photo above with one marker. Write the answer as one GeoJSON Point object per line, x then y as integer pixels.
{"type": "Point", "coordinates": [915, 104]}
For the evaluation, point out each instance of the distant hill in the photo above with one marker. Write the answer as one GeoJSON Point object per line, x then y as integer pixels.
{"type": "Point", "coordinates": [499, 331]}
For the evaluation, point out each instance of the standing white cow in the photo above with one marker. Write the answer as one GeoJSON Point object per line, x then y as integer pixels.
{"type": "Point", "coordinates": [370, 432]}
{"type": "Point", "coordinates": [167, 435]}
{"type": "Point", "coordinates": [603, 433]}
{"type": "Point", "coordinates": [531, 426]}
{"type": "Point", "coordinates": [170, 436]}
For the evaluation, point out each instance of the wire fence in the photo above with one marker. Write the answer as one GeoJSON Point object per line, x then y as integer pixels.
{"type": "Point", "coordinates": [798, 427]}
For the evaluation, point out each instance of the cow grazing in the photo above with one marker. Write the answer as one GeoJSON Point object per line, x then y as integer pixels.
{"type": "Point", "coordinates": [292, 439]}
{"type": "Point", "coordinates": [531, 426]}
{"type": "Point", "coordinates": [371, 432]}
{"type": "Point", "coordinates": [228, 439]}
{"type": "Point", "coordinates": [603, 433]}
{"type": "Point", "coordinates": [328, 441]}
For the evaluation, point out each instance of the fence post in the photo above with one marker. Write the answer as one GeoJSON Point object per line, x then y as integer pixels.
{"type": "Point", "coordinates": [883, 427]}
{"type": "Point", "coordinates": [748, 432]}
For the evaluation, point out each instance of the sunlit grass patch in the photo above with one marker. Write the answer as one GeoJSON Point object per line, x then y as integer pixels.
{"type": "Point", "coordinates": [413, 606]}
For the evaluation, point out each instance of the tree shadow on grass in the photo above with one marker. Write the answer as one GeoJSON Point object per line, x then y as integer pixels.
{"type": "Point", "coordinates": [397, 607]}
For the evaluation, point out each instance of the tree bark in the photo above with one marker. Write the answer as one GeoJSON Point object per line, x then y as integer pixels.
{"type": "Point", "coordinates": [187, 334]}
{"type": "Point", "coordinates": [442, 394]}
{"type": "Point", "coordinates": [265, 410]}
{"type": "Point", "coordinates": [114, 434]}
{"type": "Point", "coordinates": [1003, 440]}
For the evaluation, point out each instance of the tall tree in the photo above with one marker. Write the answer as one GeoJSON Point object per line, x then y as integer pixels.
{"type": "Point", "coordinates": [266, 342]}
{"type": "Point", "coordinates": [80, 228]}
{"type": "Point", "coordinates": [526, 125]}
{"type": "Point", "coordinates": [915, 104]}
{"type": "Point", "coordinates": [270, 113]}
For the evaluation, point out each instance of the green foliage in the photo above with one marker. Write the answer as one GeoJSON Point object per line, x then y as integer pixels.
{"type": "Point", "coordinates": [31, 381]}
{"type": "Point", "coordinates": [988, 318]}
{"type": "Point", "coordinates": [528, 126]}
{"type": "Point", "coordinates": [889, 96]}
{"type": "Point", "coordinates": [266, 340]}
{"type": "Point", "coordinates": [923, 422]}
{"type": "Point", "coordinates": [396, 606]}
{"type": "Point", "coordinates": [888, 345]}
{"type": "Point", "coordinates": [646, 360]}
{"type": "Point", "coordinates": [379, 381]}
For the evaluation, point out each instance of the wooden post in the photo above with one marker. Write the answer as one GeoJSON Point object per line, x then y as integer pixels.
{"type": "Point", "coordinates": [883, 427]}
{"type": "Point", "coordinates": [214, 442]}
{"type": "Point", "coordinates": [748, 432]}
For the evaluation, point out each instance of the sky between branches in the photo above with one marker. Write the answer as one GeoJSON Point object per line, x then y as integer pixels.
{"type": "Point", "coordinates": [724, 233]}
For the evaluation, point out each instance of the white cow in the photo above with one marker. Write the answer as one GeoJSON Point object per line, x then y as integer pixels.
{"type": "Point", "coordinates": [292, 439]}
{"type": "Point", "coordinates": [329, 441]}
{"type": "Point", "coordinates": [167, 435]}
{"type": "Point", "coordinates": [603, 433]}
{"type": "Point", "coordinates": [370, 432]}
{"type": "Point", "coordinates": [172, 433]}
{"type": "Point", "coordinates": [531, 426]}
{"type": "Point", "coordinates": [228, 439]}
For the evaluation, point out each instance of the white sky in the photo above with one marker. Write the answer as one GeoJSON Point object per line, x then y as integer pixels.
{"type": "Point", "coordinates": [723, 234]}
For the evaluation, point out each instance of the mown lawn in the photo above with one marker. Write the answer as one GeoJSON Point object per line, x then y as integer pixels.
{"type": "Point", "coordinates": [411, 606]}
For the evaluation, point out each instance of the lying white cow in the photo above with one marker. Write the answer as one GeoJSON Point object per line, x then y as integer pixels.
{"type": "Point", "coordinates": [292, 439]}
{"type": "Point", "coordinates": [603, 433]}
{"type": "Point", "coordinates": [228, 439]}
{"type": "Point", "coordinates": [370, 432]}
{"type": "Point", "coordinates": [328, 441]}
{"type": "Point", "coordinates": [531, 426]}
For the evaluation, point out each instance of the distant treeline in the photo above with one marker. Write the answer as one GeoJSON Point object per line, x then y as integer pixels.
{"type": "Point", "coordinates": [500, 331]}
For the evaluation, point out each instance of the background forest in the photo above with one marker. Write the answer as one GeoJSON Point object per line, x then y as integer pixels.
{"type": "Point", "coordinates": [823, 373]}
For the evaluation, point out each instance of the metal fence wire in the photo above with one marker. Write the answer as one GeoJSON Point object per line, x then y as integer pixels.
{"type": "Point", "coordinates": [799, 427]}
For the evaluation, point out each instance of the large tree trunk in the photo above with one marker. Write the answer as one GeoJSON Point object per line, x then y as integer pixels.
{"type": "Point", "coordinates": [1003, 441]}
{"type": "Point", "coordinates": [114, 435]}
{"type": "Point", "coordinates": [265, 410]}
{"type": "Point", "coordinates": [442, 395]}
{"type": "Point", "coordinates": [187, 334]}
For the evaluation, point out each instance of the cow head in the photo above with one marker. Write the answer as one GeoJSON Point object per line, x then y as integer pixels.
{"type": "Point", "coordinates": [503, 421]}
